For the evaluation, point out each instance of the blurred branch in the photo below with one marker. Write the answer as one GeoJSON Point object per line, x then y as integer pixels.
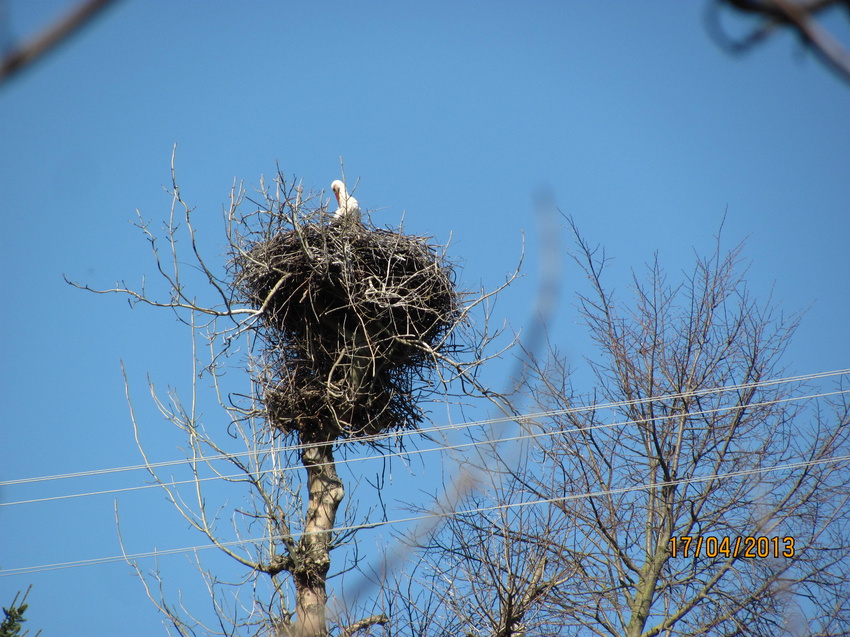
{"type": "Point", "coordinates": [473, 475]}
{"type": "Point", "coordinates": [22, 56]}
{"type": "Point", "coordinates": [798, 15]}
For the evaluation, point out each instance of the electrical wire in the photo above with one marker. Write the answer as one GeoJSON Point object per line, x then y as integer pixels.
{"type": "Point", "coordinates": [244, 476]}
{"type": "Point", "coordinates": [25, 570]}
{"type": "Point", "coordinates": [439, 428]}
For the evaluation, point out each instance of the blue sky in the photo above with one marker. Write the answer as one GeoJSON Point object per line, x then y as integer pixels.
{"type": "Point", "coordinates": [638, 124]}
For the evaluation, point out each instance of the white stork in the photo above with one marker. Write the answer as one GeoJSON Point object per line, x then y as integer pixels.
{"type": "Point", "coordinates": [348, 209]}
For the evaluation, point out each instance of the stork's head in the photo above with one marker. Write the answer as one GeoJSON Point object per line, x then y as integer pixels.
{"type": "Point", "coordinates": [339, 191]}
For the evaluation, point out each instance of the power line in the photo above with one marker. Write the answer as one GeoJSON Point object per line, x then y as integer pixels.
{"type": "Point", "coordinates": [443, 448]}
{"type": "Point", "coordinates": [25, 570]}
{"type": "Point", "coordinates": [441, 428]}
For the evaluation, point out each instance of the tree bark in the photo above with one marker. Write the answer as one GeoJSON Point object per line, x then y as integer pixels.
{"type": "Point", "coordinates": [325, 494]}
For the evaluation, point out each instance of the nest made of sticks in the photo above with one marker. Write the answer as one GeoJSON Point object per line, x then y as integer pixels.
{"type": "Point", "coordinates": [352, 318]}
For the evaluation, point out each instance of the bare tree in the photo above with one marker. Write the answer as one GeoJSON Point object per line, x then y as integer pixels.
{"type": "Point", "coordinates": [343, 330]}
{"type": "Point", "coordinates": [693, 491]}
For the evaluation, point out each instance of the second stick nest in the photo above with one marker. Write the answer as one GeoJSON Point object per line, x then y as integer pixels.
{"type": "Point", "coordinates": [352, 317]}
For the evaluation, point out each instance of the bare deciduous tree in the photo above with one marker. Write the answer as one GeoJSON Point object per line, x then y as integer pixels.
{"type": "Point", "coordinates": [693, 491]}
{"type": "Point", "coordinates": [343, 329]}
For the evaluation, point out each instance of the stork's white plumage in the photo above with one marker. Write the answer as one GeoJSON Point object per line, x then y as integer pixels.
{"type": "Point", "coordinates": [348, 206]}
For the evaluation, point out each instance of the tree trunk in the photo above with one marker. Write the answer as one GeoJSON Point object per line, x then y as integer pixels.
{"type": "Point", "coordinates": [311, 570]}
{"type": "Point", "coordinates": [654, 564]}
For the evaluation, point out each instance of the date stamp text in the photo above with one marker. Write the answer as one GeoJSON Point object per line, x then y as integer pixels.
{"type": "Point", "coordinates": [746, 546]}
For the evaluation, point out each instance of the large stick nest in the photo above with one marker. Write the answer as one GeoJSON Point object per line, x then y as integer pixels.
{"type": "Point", "coordinates": [352, 317]}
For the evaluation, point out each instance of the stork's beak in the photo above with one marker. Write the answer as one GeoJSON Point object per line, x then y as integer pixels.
{"type": "Point", "coordinates": [336, 194]}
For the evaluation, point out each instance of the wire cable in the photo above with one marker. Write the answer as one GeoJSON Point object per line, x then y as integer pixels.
{"type": "Point", "coordinates": [244, 476]}
{"type": "Point", "coordinates": [25, 570]}
{"type": "Point", "coordinates": [439, 428]}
